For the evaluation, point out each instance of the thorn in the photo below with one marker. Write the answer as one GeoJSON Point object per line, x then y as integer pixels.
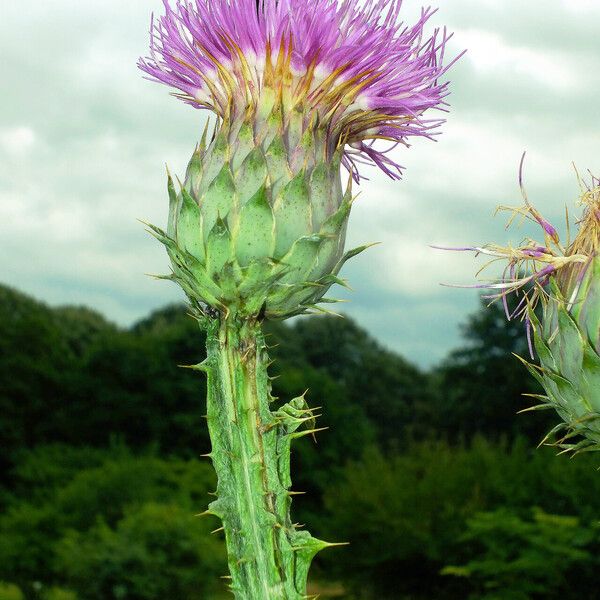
{"type": "Point", "coordinates": [207, 455]}
{"type": "Point", "coordinates": [202, 366]}
{"type": "Point", "coordinates": [160, 277]}
{"type": "Point", "coordinates": [218, 529]}
{"type": "Point", "coordinates": [292, 493]}
{"type": "Point", "coordinates": [334, 544]}
{"type": "Point", "coordinates": [535, 408]}
{"type": "Point", "coordinates": [300, 434]}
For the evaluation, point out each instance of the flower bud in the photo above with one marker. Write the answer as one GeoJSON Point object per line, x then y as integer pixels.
{"type": "Point", "coordinates": [255, 230]}
{"type": "Point", "coordinates": [567, 340]}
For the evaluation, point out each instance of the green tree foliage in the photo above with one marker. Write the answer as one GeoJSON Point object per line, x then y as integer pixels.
{"type": "Point", "coordinates": [480, 387]}
{"type": "Point", "coordinates": [516, 558]}
{"type": "Point", "coordinates": [39, 351]}
{"type": "Point", "coordinates": [61, 507]}
{"type": "Point", "coordinates": [102, 431]}
{"type": "Point", "coordinates": [405, 514]}
{"type": "Point", "coordinates": [155, 551]}
{"type": "Point", "coordinates": [389, 391]}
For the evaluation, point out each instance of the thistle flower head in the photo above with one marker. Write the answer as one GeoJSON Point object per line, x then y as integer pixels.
{"type": "Point", "coordinates": [530, 266]}
{"type": "Point", "coordinates": [565, 280]}
{"type": "Point", "coordinates": [348, 67]}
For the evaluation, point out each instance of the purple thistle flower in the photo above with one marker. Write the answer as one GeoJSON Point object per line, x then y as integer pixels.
{"type": "Point", "coordinates": [352, 66]}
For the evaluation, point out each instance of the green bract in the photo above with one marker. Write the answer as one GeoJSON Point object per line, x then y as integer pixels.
{"type": "Point", "coordinates": [567, 342]}
{"type": "Point", "coordinates": [258, 227]}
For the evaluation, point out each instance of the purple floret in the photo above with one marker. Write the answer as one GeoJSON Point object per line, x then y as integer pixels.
{"type": "Point", "coordinates": [357, 65]}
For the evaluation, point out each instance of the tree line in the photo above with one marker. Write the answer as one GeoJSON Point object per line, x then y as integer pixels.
{"type": "Point", "coordinates": [430, 475]}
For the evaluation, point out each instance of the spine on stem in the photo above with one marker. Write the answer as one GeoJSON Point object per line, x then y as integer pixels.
{"type": "Point", "coordinates": [268, 556]}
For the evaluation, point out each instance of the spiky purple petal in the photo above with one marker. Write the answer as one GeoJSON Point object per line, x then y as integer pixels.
{"type": "Point", "coordinates": [360, 68]}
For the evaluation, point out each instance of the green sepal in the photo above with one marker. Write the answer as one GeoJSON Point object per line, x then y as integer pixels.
{"type": "Point", "coordinates": [219, 248]}
{"type": "Point", "coordinates": [173, 206]}
{"type": "Point", "coordinates": [541, 348]}
{"type": "Point", "coordinates": [566, 395]}
{"type": "Point", "coordinates": [255, 275]}
{"type": "Point", "coordinates": [244, 145]}
{"type": "Point", "coordinates": [273, 128]}
{"type": "Point", "coordinates": [266, 103]}
{"type": "Point", "coordinates": [320, 195]}
{"type": "Point", "coordinates": [300, 259]}
{"type": "Point", "coordinates": [334, 230]}
{"type": "Point", "coordinates": [255, 235]}
{"type": "Point", "coordinates": [217, 155]}
{"type": "Point", "coordinates": [590, 377]}
{"type": "Point", "coordinates": [292, 214]}
{"type": "Point", "coordinates": [330, 279]}
{"type": "Point", "coordinates": [252, 175]}
{"type": "Point", "coordinates": [586, 308]}
{"type": "Point", "coordinates": [351, 254]}
{"type": "Point", "coordinates": [193, 175]}
{"type": "Point", "coordinates": [201, 282]}
{"type": "Point", "coordinates": [218, 200]}
{"type": "Point", "coordinates": [228, 279]}
{"type": "Point", "coordinates": [277, 164]}
{"type": "Point", "coordinates": [567, 346]}
{"type": "Point", "coordinates": [189, 227]}
{"type": "Point", "coordinates": [299, 142]}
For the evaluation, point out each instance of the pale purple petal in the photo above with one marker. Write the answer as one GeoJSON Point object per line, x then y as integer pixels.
{"type": "Point", "coordinates": [396, 69]}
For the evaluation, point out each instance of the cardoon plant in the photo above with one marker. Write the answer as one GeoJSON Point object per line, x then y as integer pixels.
{"type": "Point", "coordinates": [558, 289]}
{"type": "Point", "coordinates": [300, 88]}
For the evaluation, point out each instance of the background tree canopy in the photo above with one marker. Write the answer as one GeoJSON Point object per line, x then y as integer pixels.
{"type": "Point", "coordinates": [431, 476]}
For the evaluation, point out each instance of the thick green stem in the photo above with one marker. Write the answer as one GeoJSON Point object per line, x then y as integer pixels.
{"type": "Point", "coordinates": [268, 557]}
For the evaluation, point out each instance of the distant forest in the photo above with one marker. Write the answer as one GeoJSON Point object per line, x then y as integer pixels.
{"type": "Point", "coordinates": [431, 476]}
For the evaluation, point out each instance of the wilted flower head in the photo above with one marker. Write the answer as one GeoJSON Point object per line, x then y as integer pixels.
{"type": "Point", "coordinates": [531, 266]}
{"type": "Point", "coordinates": [347, 66]}
{"type": "Point", "coordinates": [564, 280]}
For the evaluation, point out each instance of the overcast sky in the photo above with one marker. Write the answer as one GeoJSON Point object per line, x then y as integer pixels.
{"type": "Point", "coordinates": [84, 140]}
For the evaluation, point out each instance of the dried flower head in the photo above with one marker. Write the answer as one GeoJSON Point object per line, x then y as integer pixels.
{"type": "Point", "coordinates": [530, 267]}
{"type": "Point", "coordinates": [349, 67]}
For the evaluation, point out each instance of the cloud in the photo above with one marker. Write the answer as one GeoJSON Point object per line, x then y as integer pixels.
{"type": "Point", "coordinates": [17, 140]}
{"type": "Point", "coordinates": [488, 51]}
{"type": "Point", "coordinates": [84, 140]}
